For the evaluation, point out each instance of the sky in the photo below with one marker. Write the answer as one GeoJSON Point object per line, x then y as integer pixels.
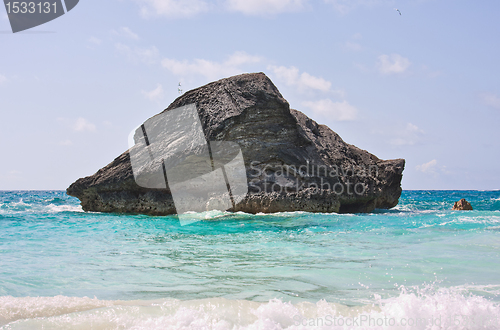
{"type": "Point", "coordinates": [423, 85]}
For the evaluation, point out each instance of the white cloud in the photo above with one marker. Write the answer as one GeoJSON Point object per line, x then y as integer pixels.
{"type": "Point", "coordinates": [291, 77]}
{"type": "Point", "coordinates": [149, 55]}
{"type": "Point", "coordinates": [79, 125]}
{"type": "Point", "coordinates": [265, 7]}
{"type": "Point", "coordinates": [126, 32]}
{"type": "Point", "coordinates": [82, 125]}
{"type": "Point", "coordinates": [189, 8]}
{"type": "Point", "coordinates": [3, 79]}
{"type": "Point", "coordinates": [430, 73]}
{"type": "Point", "coordinates": [339, 111]}
{"type": "Point", "coordinates": [394, 63]}
{"type": "Point", "coordinates": [65, 143]}
{"type": "Point", "coordinates": [361, 67]}
{"type": "Point", "coordinates": [95, 41]}
{"type": "Point", "coordinates": [342, 6]}
{"type": "Point", "coordinates": [210, 69]}
{"type": "Point", "coordinates": [156, 94]}
{"type": "Point", "coordinates": [345, 6]}
{"type": "Point", "coordinates": [489, 99]}
{"type": "Point", "coordinates": [352, 46]}
{"type": "Point", "coordinates": [172, 8]}
{"type": "Point", "coordinates": [429, 168]}
{"type": "Point", "coordinates": [409, 135]}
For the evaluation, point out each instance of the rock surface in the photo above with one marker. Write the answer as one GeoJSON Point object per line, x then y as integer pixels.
{"type": "Point", "coordinates": [462, 205]}
{"type": "Point", "coordinates": [292, 163]}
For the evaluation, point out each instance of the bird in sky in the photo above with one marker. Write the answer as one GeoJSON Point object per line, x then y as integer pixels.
{"type": "Point", "coordinates": [397, 11]}
{"type": "Point", "coordinates": [179, 89]}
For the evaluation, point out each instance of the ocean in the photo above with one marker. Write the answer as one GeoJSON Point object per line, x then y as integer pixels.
{"type": "Point", "coordinates": [417, 266]}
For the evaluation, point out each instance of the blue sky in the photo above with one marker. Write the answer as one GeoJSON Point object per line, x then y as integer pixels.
{"type": "Point", "coordinates": [423, 85]}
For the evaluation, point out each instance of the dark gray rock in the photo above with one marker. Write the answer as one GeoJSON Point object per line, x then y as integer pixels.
{"type": "Point", "coordinates": [292, 162]}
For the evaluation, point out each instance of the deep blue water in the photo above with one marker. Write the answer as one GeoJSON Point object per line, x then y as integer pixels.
{"type": "Point", "coordinates": [49, 248]}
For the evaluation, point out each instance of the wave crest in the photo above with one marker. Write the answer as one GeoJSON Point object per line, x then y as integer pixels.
{"type": "Point", "coordinates": [454, 308]}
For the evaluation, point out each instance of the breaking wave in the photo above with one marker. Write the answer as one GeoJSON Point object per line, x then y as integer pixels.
{"type": "Point", "coordinates": [416, 308]}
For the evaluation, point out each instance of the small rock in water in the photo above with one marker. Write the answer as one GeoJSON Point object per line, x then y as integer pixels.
{"type": "Point", "coordinates": [462, 205]}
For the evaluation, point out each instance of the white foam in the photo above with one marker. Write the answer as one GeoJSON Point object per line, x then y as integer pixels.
{"type": "Point", "coordinates": [51, 208]}
{"type": "Point", "coordinates": [22, 207]}
{"type": "Point", "coordinates": [454, 308]}
{"type": "Point", "coordinates": [481, 219]}
{"type": "Point", "coordinates": [409, 208]}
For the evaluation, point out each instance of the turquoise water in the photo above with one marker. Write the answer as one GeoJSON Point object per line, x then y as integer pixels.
{"type": "Point", "coordinates": [419, 257]}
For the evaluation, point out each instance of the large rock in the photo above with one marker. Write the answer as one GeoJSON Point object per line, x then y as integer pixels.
{"type": "Point", "coordinates": [292, 163]}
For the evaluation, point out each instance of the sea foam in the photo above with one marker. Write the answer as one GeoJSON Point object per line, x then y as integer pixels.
{"type": "Point", "coordinates": [427, 308]}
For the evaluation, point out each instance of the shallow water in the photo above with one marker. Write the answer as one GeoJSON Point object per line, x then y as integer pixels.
{"type": "Point", "coordinates": [282, 270]}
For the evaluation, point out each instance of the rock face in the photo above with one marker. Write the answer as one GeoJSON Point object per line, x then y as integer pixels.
{"type": "Point", "coordinates": [292, 163]}
{"type": "Point", "coordinates": [462, 205]}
